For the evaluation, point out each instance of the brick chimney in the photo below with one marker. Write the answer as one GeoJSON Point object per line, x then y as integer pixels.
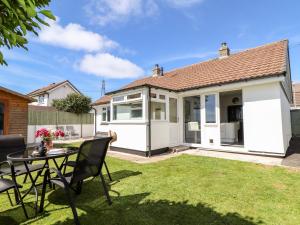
{"type": "Point", "coordinates": [224, 51]}
{"type": "Point", "coordinates": [157, 71]}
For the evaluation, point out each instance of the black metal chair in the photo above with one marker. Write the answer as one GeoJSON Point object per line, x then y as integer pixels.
{"type": "Point", "coordinates": [8, 184]}
{"type": "Point", "coordinates": [15, 143]}
{"type": "Point", "coordinates": [89, 162]}
{"type": "Point", "coordinates": [73, 163]}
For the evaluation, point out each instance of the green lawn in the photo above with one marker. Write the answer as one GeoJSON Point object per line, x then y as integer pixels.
{"type": "Point", "coordinates": [182, 190]}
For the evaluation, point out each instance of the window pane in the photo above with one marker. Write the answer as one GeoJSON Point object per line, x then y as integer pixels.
{"type": "Point", "coordinates": [153, 95]}
{"type": "Point", "coordinates": [118, 98]}
{"type": "Point", "coordinates": [162, 97]}
{"type": "Point", "coordinates": [210, 108]}
{"type": "Point", "coordinates": [173, 110]}
{"type": "Point", "coordinates": [158, 111]}
{"type": "Point", "coordinates": [104, 114]}
{"type": "Point", "coordinates": [128, 111]}
{"type": "Point", "coordinates": [108, 114]}
{"type": "Point", "coordinates": [134, 96]}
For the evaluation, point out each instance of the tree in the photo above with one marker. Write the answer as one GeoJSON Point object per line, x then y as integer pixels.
{"type": "Point", "coordinates": [17, 17]}
{"type": "Point", "coordinates": [74, 103]}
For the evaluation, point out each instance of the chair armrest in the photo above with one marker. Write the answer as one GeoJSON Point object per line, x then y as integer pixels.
{"type": "Point", "coordinates": [9, 164]}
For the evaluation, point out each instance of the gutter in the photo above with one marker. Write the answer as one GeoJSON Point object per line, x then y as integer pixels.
{"type": "Point", "coordinates": [95, 119]}
{"type": "Point", "coordinates": [149, 121]}
{"type": "Point", "coordinates": [198, 87]}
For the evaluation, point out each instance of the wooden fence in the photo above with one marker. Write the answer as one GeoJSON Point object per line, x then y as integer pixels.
{"type": "Point", "coordinates": [58, 118]}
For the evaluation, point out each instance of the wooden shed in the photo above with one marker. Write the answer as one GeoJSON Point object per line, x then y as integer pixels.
{"type": "Point", "coordinates": [13, 112]}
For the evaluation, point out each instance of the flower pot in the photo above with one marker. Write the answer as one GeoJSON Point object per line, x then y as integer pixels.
{"type": "Point", "coordinates": [49, 145]}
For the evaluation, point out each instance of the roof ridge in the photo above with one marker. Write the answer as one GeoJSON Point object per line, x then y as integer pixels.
{"type": "Point", "coordinates": [213, 59]}
{"type": "Point", "coordinates": [48, 86]}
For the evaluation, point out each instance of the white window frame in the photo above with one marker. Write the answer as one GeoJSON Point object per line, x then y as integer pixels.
{"type": "Point", "coordinates": [215, 109]}
{"type": "Point", "coordinates": [39, 99]}
{"type": "Point", "coordinates": [138, 100]}
{"type": "Point", "coordinates": [107, 109]}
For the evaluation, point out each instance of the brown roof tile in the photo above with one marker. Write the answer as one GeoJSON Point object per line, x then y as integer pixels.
{"type": "Point", "coordinates": [259, 62]}
{"type": "Point", "coordinates": [45, 89]}
{"type": "Point", "coordinates": [103, 100]}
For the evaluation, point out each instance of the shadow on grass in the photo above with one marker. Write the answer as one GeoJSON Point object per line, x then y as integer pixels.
{"type": "Point", "coordinates": [136, 210]}
{"type": "Point", "coordinates": [133, 209]}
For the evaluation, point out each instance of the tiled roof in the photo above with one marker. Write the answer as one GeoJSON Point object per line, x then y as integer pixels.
{"type": "Point", "coordinates": [103, 100]}
{"type": "Point", "coordinates": [50, 87]}
{"type": "Point", "coordinates": [45, 89]}
{"type": "Point", "coordinates": [296, 94]}
{"type": "Point", "coordinates": [259, 62]}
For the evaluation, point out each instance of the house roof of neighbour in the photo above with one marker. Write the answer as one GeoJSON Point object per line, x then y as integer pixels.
{"type": "Point", "coordinates": [50, 87]}
{"type": "Point", "coordinates": [25, 97]}
{"type": "Point", "coordinates": [260, 62]}
{"type": "Point", "coordinates": [296, 94]}
{"type": "Point", "coordinates": [103, 100]}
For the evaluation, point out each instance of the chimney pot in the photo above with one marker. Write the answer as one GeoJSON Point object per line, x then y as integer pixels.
{"type": "Point", "coordinates": [224, 51]}
{"type": "Point", "coordinates": [157, 71]}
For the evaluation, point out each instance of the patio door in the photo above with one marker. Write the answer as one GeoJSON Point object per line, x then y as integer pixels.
{"type": "Point", "coordinates": [191, 110]}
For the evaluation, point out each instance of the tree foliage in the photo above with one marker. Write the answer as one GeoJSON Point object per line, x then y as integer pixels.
{"type": "Point", "coordinates": [74, 103]}
{"type": "Point", "coordinates": [18, 17]}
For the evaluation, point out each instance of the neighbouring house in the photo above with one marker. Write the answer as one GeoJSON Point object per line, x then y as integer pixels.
{"type": "Point", "coordinates": [296, 96]}
{"type": "Point", "coordinates": [45, 95]}
{"type": "Point", "coordinates": [237, 102]}
{"type": "Point", "coordinates": [13, 112]}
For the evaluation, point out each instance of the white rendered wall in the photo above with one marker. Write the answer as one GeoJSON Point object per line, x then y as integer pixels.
{"type": "Point", "coordinates": [262, 118]}
{"type": "Point", "coordinates": [60, 92]}
{"type": "Point", "coordinates": [286, 119]}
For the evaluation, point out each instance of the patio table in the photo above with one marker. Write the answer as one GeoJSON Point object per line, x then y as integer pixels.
{"type": "Point", "coordinates": [26, 157]}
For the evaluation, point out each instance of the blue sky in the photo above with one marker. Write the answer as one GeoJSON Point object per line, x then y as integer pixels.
{"type": "Point", "coordinates": [121, 40]}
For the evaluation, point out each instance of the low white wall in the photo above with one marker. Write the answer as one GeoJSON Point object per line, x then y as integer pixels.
{"type": "Point", "coordinates": [262, 118]}
{"type": "Point", "coordinates": [130, 136]}
{"type": "Point", "coordinates": [160, 134]}
{"type": "Point", "coordinates": [87, 131]}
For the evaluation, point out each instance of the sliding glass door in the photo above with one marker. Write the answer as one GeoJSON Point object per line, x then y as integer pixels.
{"type": "Point", "coordinates": [191, 110]}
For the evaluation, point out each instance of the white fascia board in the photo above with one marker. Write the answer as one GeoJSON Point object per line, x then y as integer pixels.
{"type": "Point", "coordinates": [233, 86]}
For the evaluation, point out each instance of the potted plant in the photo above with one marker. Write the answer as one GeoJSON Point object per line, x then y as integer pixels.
{"type": "Point", "coordinates": [47, 136]}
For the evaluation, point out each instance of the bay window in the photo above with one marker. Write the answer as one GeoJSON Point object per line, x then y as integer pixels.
{"type": "Point", "coordinates": [128, 111]}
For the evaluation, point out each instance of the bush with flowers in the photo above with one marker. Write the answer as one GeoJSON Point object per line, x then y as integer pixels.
{"type": "Point", "coordinates": [48, 135]}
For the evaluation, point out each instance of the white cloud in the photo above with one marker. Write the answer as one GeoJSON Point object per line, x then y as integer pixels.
{"type": "Point", "coordinates": [74, 36]}
{"type": "Point", "coordinates": [105, 12]}
{"type": "Point", "coordinates": [183, 3]}
{"type": "Point", "coordinates": [107, 65]}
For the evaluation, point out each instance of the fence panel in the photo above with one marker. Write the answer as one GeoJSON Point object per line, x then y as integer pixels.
{"type": "Point", "coordinates": [58, 118]}
{"type": "Point", "coordinates": [295, 120]}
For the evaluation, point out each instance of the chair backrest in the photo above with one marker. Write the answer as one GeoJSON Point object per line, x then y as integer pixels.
{"type": "Point", "coordinates": [90, 159]}
{"type": "Point", "coordinates": [10, 144]}
{"type": "Point", "coordinates": [70, 128]}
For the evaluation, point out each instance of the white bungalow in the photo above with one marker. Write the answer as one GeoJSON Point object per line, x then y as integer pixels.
{"type": "Point", "coordinates": [237, 102]}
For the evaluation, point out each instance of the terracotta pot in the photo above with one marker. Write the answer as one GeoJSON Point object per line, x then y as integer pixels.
{"type": "Point", "coordinates": [49, 145]}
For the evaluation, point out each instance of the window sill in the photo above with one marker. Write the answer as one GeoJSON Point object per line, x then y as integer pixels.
{"type": "Point", "coordinates": [211, 125]}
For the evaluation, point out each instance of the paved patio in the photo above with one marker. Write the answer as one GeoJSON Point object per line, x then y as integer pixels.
{"type": "Point", "coordinates": [273, 161]}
